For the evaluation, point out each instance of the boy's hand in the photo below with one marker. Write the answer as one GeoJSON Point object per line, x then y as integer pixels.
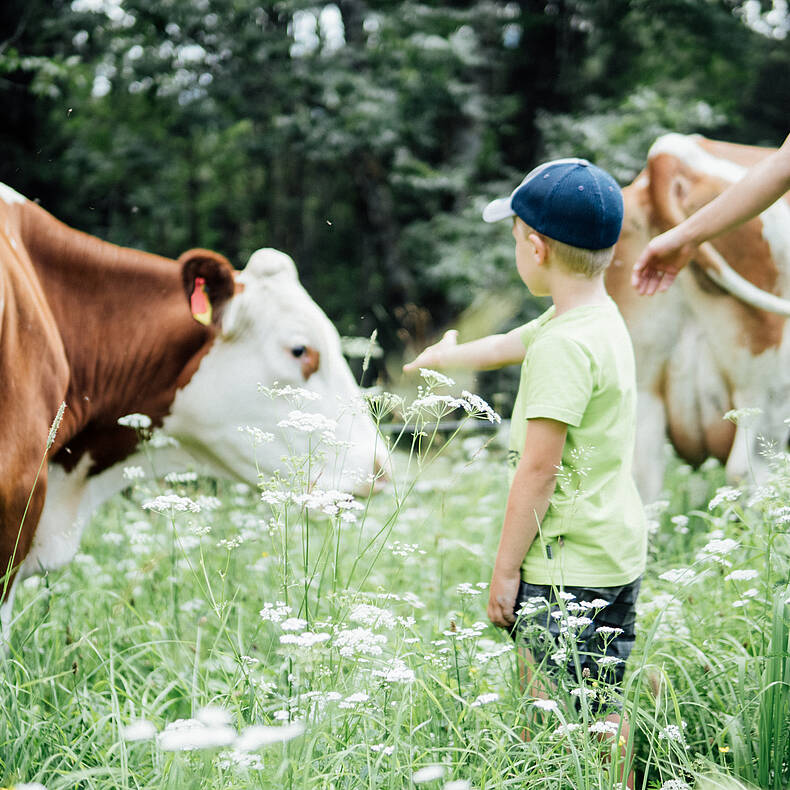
{"type": "Point", "coordinates": [431, 357]}
{"type": "Point", "coordinates": [502, 597]}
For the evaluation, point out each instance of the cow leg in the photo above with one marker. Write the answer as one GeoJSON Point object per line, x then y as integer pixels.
{"type": "Point", "coordinates": [649, 458]}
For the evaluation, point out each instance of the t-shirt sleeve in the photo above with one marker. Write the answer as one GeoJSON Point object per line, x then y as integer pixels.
{"type": "Point", "coordinates": [559, 380]}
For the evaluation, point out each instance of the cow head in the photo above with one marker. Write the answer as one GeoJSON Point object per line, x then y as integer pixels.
{"type": "Point", "coordinates": [269, 331]}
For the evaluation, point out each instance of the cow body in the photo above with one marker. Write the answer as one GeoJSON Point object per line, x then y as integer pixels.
{"type": "Point", "coordinates": [701, 351]}
{"type": "Point", "coordinates": [109, 332]}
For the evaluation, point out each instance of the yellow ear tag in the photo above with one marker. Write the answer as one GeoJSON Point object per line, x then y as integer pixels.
{"type": "Point", "coordinates": [199, 302]}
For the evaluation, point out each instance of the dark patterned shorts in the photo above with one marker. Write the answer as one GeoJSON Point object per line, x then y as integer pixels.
{"type": "Point", "coordinates": [579, 634]}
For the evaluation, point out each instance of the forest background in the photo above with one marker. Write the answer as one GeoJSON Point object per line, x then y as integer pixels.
{"type": "Point", "coordinates": [363, 137]}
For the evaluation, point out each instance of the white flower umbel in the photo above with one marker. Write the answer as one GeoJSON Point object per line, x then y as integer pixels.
{"type": "Point", "coordinates": [743, 575]}
{"type": "Point", "coordinates": [138, 730]}
{"type": "Point", "coordinates": [675, 784]}
{"type": "Point", "coordinates": [484, 699]}
{"type": "Point", "coordinates": [275, 612]}
{"type": "Point", "coordinates": [395, 671]}
{"type": "Point", "coordinates": [256, 737]}
{"type": "Point", "coordinates": [724, 494]}
{"type": "Point", "coordinates": [136, 421]}
{"type": "Point", "coordinates": [716, 549]}
{"type": "Point", "coordinates": [305, 640]}
{"type": "Point", "coordinates": [309, 423]}
{"type": "Point", "coordinates": [167, 503]}
{"type": "Point", "coordinates": [435, 379]}
{"type": "Point", "coordinates": [293, 624]}
{"type": "Point", "coordinates": [359, 641]}
{"type": "Point", "coordinates": [292, 394]}
{"type": "Point", "coordinates": [476, 407]}
{"type": "Point", "coordinates": [372, 616]}
{"type": "Point", "coordinates": [192, 734]}
{"type": "Point", "coordinates": [604, 727]}
{"type": "Point", "coordinates": [458, 784]}
{"type": "Point", "coordinates": [678, 576]}
{"type": "Point", "coordinates": [428, 774]}
{"type": "Point", "coordinates": [671, 733]}
{"type": "Point", "coordinates": [546, 704]}
{"type": "Point", "coordinates": [133, 473]}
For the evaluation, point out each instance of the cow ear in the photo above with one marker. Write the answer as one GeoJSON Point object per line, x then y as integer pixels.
{"type": "Point", "coordinates": [208, 283]}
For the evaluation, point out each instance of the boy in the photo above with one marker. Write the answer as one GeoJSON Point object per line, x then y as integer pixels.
{"type": "Point", "coordinates": [574, 528]}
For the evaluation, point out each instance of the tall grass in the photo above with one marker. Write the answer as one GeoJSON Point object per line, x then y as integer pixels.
{"type": "Point", "coordinates": [308, 640]}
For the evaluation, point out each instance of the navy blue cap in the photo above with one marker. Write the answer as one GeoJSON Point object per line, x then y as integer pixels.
{"type": "Point", "coordinates": [570, 200]}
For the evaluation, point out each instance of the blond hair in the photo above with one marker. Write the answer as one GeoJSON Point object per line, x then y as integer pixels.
{"type": "Point", "coordinates": [589, 263]}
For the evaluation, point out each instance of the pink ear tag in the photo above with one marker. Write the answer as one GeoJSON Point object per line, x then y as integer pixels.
{"type": "Point", "coordinates": [199, 302]}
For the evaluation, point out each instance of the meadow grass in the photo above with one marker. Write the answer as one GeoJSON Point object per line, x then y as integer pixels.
{"type": "Point", "coordinates": [212, 635]}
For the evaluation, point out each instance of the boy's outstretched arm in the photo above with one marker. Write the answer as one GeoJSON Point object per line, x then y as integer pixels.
{"type": "Point", "coordinates": [530, 492]}
{"type": "Point", "coordinates": [487, 353]}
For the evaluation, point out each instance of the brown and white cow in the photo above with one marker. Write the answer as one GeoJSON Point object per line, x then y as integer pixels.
{"type": "Point", "coordinates": [716, 339]}
{"type": "Point", "coordinates": [112, 331]}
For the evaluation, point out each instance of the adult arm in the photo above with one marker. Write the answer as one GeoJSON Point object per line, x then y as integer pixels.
{"type": "Point", "coordinates": [667, 254]}
{"type": "Point", "coordinates": [487, 353]}
{"type": "Point", "coordinates": [530, 493]}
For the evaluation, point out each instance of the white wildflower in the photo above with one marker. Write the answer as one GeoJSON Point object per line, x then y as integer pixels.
{"type": "Point", "coordinates": [355, 641]}
{"type": "Point", "coordinates": [138, 730]}
{"type": "Point", "coordinates": [28, 786]}
{"type": "Point", "coordinates": [159, 439]}
{"type": "Point", "coordinates": [181, 477]}
{"type": "Point", "coordinates": [372, 616]}
{"type": "Point", "coordinates": [458, 784]}
{"type": "Point", "coordinates": [741, 575]}
{"type": "Point", "coordinates": [192, 734]}
{"type": "Point", "coordinates": [546, 704]}
{"type": "Point", "coordinates": [275, 612]}
{"type": "Point", "coordinates": [136, 421]}
{"type": "Point", "coordinates": [281, 715]}
{"type": "Point", "coordinates": [380, 747]}
{"type": "Point", "coordinates": [739, 604]}
{"type": "Point", "coordinates": [354, 699]}
{"type": "Point", "coordinates": [258, 436]}
{"type": "Point", "coordinates": [475, 406]}
{"type": "Point", "coordinates": [435, 379]}
{"type": "Point", "coordinates": [608, 661]}
{"type": "Point", "coordinates": [309, 423]}
{"type": "Point", "coordinates": [564, 730]}
{"type": "Point", "coordinates": [428, 774]}
{"type": "Point", "coordinates": [724, 494]}
{"type": "Point", "coordinates": [678, 576]}
{"type": "Point", "coordinates": [484, 699]}
{"type": "Point", "coordinates": [293, 394]}
{"type": "Point", "coordinates": [395, 672]}
{"type": "Point", "coordinates": [307, 639]}
{"type": "Point", "coordinates": [604, 727]}
{"type": "Point", "coordinates": [252, 738]}
{"type": "Point", "coordinates": [751, 592]}
{"type": "Point", "coordinates": [167, 503]}
{"type": "Point", "coordinates": [671, 733]}
{"type": "Point", "coordinates": [213, 716]}
{"type": "Point", "coordinates": [716, 549]}
{"type": "Point", "coordinates": [675, 784]}
{"type": "Point", "coordinates": [607, 630]}
{"type": "Point", "coordinates": [466, 588]}
{"type": "Point", "coordinates": [293, 624]}
{"type": "Point", "coordinates": [133, 472]}
{"type": "Point", "coordinates": [560, 657]}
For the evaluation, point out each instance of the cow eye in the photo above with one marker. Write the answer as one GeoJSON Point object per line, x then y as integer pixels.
{"type": "Point", "coordinates": [297, 351]}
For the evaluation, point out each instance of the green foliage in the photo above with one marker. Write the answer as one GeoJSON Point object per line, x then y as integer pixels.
{"type": "Point", "coordinates": [361, 138]}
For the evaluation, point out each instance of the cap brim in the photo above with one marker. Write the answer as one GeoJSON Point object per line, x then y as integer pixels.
{"type": "Point", "coordinates": [498, 209]}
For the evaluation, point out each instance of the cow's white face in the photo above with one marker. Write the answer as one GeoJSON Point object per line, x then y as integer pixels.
{"type": "Point", "coordinates": [272, 331]}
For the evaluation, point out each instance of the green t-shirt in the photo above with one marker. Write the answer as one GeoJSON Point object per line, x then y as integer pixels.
{"type": "Point", "coordinates": [579, 369]}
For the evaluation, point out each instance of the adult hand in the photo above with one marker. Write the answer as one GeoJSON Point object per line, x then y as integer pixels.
{"type": "Point", "coordinates": [658, 265]}
{"type": "Point", "coordinates": [502, 597]}
{"type": "Point", "coordinates": [431, 357]}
